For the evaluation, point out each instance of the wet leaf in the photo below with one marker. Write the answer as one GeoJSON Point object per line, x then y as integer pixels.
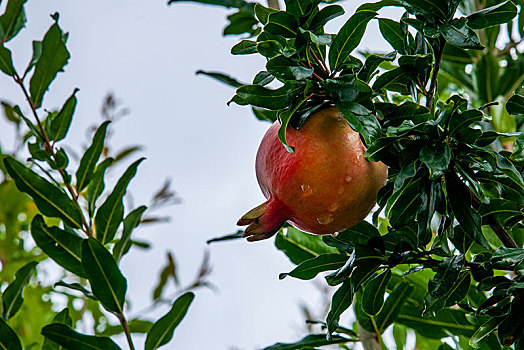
{"type": "Point", "coordinates": [12, 296]}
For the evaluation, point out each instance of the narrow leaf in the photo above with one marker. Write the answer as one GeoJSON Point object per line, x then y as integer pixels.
{"type": "Point", "coordinates": [311, 341]}
{"type": "Point", "coordinates": [493, 15]}
{"type": "Point", "coordinates": [131, 221]}
{"type": "Point", "coordinates": [64, 247]}
{"type": "Point", "coordinates": [310, 268]}
{"type": "Point", "coordinates": [12, 296]}
{"type": "Point", "coordinates": [61, 122]}
{"type": "Point", "coordinates": [107, 282]}
{"type": "Point", "coordinates": [163, 329]}
{"type": "Point", "coordinates": [349, 37]}
{"type": "Point", "coordinates": [61, 317]}
{"type": "Point", "coordinates": [373, 296]}
{"type": "Point", "coordinates": [110, 214]}
{"type": "Point", "coordinates": [340, 302]}
{"type": "Point", "coordinates": [13, 19]}
{"type": "Point", "coordinates": [8, 338]}
{"type": "Point", "coordinates": [96, 187]}
{"type": "Point", "coordinates": [6, 62]}
{"type": "Point", "coordinates": [52, 60]}
{"type": "Point", "coordinates": [221, 77]}
{"type": "Point", "coordinates": [49, 199]}
{"type": "Point", "coordinates": [85, 171]}
{"type": "Point", "coordinates": [65, 336]}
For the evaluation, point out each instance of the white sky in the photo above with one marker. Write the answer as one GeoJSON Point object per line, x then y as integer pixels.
{"type": "Point", "coordinates": [147, 53]}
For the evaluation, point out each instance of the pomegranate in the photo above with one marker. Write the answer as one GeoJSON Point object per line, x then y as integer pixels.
{"type": "Point", "coordinates": [326, 186]}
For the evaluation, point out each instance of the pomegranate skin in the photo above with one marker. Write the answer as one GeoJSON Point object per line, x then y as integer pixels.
{"type": "Point", "coordinates": [326, 186]}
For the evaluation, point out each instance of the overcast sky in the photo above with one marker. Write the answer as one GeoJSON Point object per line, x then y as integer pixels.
{"type": "Point", "coordinates": [146, 53]}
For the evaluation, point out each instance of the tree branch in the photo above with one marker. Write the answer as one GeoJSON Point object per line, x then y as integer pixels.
{"type": "Point", "coordinates": [124, 324]}
{"type": "Point", "coordinates": [434, 76]}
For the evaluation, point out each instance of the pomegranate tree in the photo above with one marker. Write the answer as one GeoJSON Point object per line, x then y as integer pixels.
{"type": "Point", "coordinates": [324, 187]}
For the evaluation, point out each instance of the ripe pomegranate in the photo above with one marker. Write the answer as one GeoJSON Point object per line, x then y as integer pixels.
{"type": "Point", "coordinates": [326, 186]}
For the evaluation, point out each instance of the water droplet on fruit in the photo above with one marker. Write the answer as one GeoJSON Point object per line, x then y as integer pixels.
{"type": "Point", "coordinates": [306, 190]}
{"type": "Point", "coordinates": [341, 190]}
{"type": "Point", "coordinates": [348, 178]}
{"type": "Point", "coordinates": [325, 219]}
{"type": "Point", "coordinates": [333, 207]}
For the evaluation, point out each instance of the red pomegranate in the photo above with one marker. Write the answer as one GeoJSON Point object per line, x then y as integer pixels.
{"type": "Point", "coordinates": [326, 186]}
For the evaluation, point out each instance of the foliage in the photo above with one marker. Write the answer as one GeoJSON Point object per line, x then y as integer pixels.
{"type": "Point", "coordinates": [52, 219]}
{"type": "Point", "coordinates": [444, 112]}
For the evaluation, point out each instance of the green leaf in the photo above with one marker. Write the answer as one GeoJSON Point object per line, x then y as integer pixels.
{"type": "Point", "coordinates": [49, 199]}
{"type": "Point", "coordinates": [260, 96]}
{"type": "Point", "coordinates": [221, 77]}
{"type": "Point", "coordinates": [12, 297]}
{"type": "Point", "coordinates": [245, 47]}
{"type": "Point", "coordinates": [515, 104]}
{"type": "Point", "coordinates": [286, 69]}
{"type": "Point", "coordinates": [241, 22]}
{"type": "Point", "coordinates": [392, 31]}
{"type": "Point", "coordinates": [325, 15]}
{"type": "Point", "coordinates": [393, 305]}
{"type": "Point", "coordinates": [262, 12]}
{"type": "Point", "coordinates": [507, 256]}
{"type": "Point", "coordinates": [162, 331]}
{"type": "Point", "coordinates": [493, 15]}
{"type": "Point", "coordinates": [372, 63]}
{"type": "Point", "coordinates": [64, 247]}
{"type": "Point", "coordinates": [359, 234]}
{"type": "Point", "coordinates": [340, 302]}
{"type": "Point", "coordinates": [107, 282]}
{"type": "Point", "coordinates": [349, 37]}
{"type": "Point", "coordinates": [437, 158]}
{"type": "Point", "coordinates": [70, 339]}
{"type": "Point", "coordinates": [8, 338]}
{"type": "Point", "coordinates": [52, 60]}
{"type": "Point", "coordinates": [131, 221]}
{"type": "Point", "coordinates": [13, 19]}
{"type": "Point", "coordinates": [282, 23]}
{"type": "Point", "coordinates": [434, 10]}
{"type": "Point", "coordinates": [373, 295]}
{"type": "Point", "coordinates": [309, 342]}
{"type": "Point", "coordinates": [460, 201]}
{"type": "Point", "coordinates": [85, 171]}
{"type": "Point", "coordinates": [284, 116]}
{"type": "Point", "coordinates": [366, 125]}
{"type": "Point", "coordinates": [61, 317]}
{"type": "Point", "coordinates": [311, 268]}
{"type": "Point", "coordinates": [96, 187]}
{"type": "Point", "coordinates": [485, 330]}
{"type": "Point", "coordinates": [6, 62]}
{"type": "Point", "coordinates": [300, 246]}
{"type": "Point", "coordinates": [110, 214]}
{"type": "Point", "coordinates": [390, 78]}
{"type": "Point", "coordinates": [135, 326]}
{"type": "Point", "coordinates": [76, 286]}
{"type": "Point", "coordinates": [61, 122]}
{"type": "Point", "coordinates": [459, 121]}
{"type": "Point", "coordinates": [459, 34]}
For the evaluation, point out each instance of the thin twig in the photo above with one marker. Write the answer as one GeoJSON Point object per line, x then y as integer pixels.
{"type": "Point", "coordinates": [47, 145]}
{"type": "Point", "coordinates": [124, 324]}
{"type": "Point", "coordinates": [436, 68]}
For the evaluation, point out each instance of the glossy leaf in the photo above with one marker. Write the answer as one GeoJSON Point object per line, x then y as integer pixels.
{"type": "Point", "coordinates": [61, 317]}
{"type": "Point", "coordinates": [49, 199]}
{"type": "Point", "coordinates": [493, 15]}
{"type": "Point", "coordinates": [64, 247]}
{"type": "Point", "coordinates": [447, 272]}
{"type": "Point", "coordinates": [13, 19]}
{"type": "Point", "coordinates": [68, 338]}
{"type": "Point", "coordinates": [110, 214]}
{"type": "Point", "coordinates": [262, 12]}
{"type": "Point", "coordinates": [260, 96]}
{"type": "Point", "coordinates": [310, 268]}
{"type": "Point", "coordinates": [392, 31]}
{"type": "Point", "coordinates": [8, 338]}
{"type": "Point", "coordinates": [325, 15]}
{"type": "Point", "coordinates": [373, 295]}
{"type": "Point", "coordinates": [96, 187]}
{"type": "Point", "coordinates": [282, 23]}
{"type": "Point", "coordinates": [358, 234]}
{"type": "Point", "coordinates": [286, 69]}
{"type": "Point", "coordinates": [244, 47]}
{"type": "Point", "coordinates": [163, 329]}
{"type": "Point", "coordinates": [485, 330]}
{"type": "Point", "coordinates": [515, 104]}
{"type": "Point", "coordinates": [107, 282]}
{"type": "Point", "coordinates": [221, 77]}
{"type": "Point", "coordinates": [6, 62]}
{"type": "Point", "coordinates": [85, 171]}
{"type": "Point", "coordinates": [349, 37]}
{"type": "Point", "coordinates": [131, 221]}
{"type": "Point", "coordinates": [372, 63]}
{"type": "Point", "coordinates": [309, 342]}
{"type": "Point", "coordinates": [224, 3]}
{"type": "Point", "coordinates": [12, 296]}
{"type": "Point", "coordinates": [284, 117]}
{"type": "Point", "coordinates": [52, 60]}
{"type": "Point", "coordinates": [76, 286]}
{"type": "Point", "coordinates": [61, 122]}
{"type": "Point", "coordinates": [300, 246]}
{"type": "Point", "coordinates": [459, 34]}
{"type": "Point", "coordinates": [393, 305]}
{"type": "Point", "coordinates": [437, 158]}
{"type": "Point", "coordinates": [340, 302]}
